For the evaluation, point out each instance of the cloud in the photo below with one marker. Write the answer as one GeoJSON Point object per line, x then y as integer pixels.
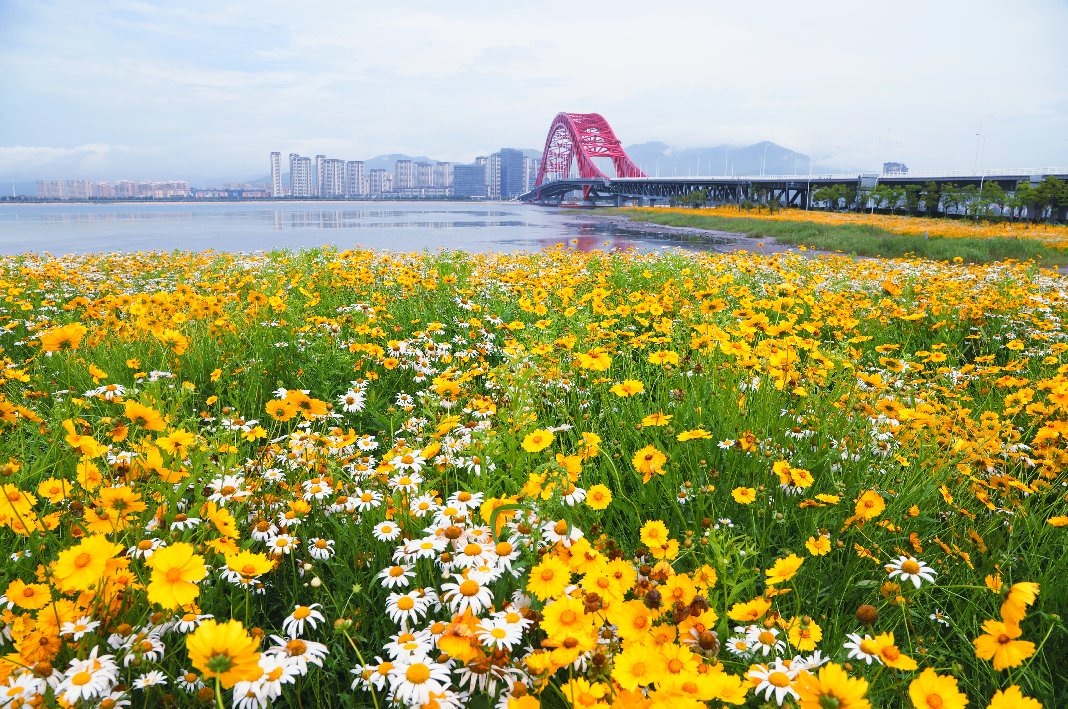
{"type": "Point", "coordinates": [24, 162]}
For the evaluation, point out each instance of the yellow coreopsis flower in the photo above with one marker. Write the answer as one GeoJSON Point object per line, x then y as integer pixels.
{"type": "Point", "coordinates": [1013, 698]}
{"type": "Point", "coordinates": [999, 643]}
{"type": "Point", "coordinates": [1020, 596]}
{"type": "Point", "coordinates": [80, 567]}
{"type": "Point", "coordinates": [931, 689]}
{"type": "Point", "coordinates": [784, 569]}
{"type": "Point", "coordinates": [628, 387]}
{"type": "Point", "coordinates": [175, 571]}
{"type": "Point", "coordinates": [224, 650]}
{"type": "Point", "coordinates": [537, 440]}
{"type": "Point", "coordinates": [649, 461]}
{"type": "Point", "coordinates": [831, 687]}
{"type": "Point", "coordinates": [68, 337]}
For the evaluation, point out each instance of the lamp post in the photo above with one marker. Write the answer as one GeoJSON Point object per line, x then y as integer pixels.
{"type": "Point", "coordinates": [764, 159]}
{"type": "Point", "coordinates": [725, 156]}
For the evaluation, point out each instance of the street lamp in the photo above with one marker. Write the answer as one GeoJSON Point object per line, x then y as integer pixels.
{"type": "Point", "coordinates": [725, 156]}
{"type": "Point", "coordinates": [764, 159]}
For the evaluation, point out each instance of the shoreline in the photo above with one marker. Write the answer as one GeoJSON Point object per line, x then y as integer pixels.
{"type": "Point", "coordinates": [720, 241]}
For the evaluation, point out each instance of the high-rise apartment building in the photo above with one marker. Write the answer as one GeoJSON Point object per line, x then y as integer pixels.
{"type": "Point", "coordinates": [442, 175]}
{"type": "Point", "coordinates": [276, 174]}
{"type": "Point", "coordinates": [300, 176]}
{"type": "Point", "coordinates": [355, 180]}
{"type": "Point", "coordinates": [319, 160]}
{"type": "Point", "coordinates": [469, 180]}
{"type": "Point", "coordinates": [332, 178]}
{"type": "Point", "coordinates": [493, 176]}
{"type": "Point", "coordinates": [403, 177]}
{"type": "Point", "coordinates": [531, 166]}
{"type": "Point", "coordinates": [422, 174]}
{"type": "Point", "coordinates": [381, 181]}
{"type": "Point", "coordinates": [513, 173]}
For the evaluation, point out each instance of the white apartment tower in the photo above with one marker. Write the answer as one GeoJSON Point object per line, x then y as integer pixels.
{"type": "Point", "coordinates": [442, 175]}
{"type": "Point", "coordinates": [403, 178]}
{"type": "Point", "coordinates": [423, 173]}
{"type": "Point", "coordinates": [276, 174]}
{"type": "Point", "coordinates": [319, 160]}
{"type": "Point", "coordinates": [300, 176]}
{"type": "Point", "coordinates": [332, 178]}
{"type": "Point", "coordinates": [355, 180]}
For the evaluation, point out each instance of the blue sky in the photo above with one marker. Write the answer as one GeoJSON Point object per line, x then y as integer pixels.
{"type": "Point", "coordinates": [142, 89]}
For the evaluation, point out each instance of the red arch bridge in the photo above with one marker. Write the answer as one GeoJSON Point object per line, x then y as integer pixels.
{"type": "Point", "coordinates": [570, 175]}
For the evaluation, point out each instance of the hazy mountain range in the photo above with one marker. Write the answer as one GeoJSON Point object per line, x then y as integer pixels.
{"type": "Point", "coordinates": [653, 158]}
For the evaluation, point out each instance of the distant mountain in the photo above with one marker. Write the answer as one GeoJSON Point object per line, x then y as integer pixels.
{"type": "Point", "coordinates": [760, 158]}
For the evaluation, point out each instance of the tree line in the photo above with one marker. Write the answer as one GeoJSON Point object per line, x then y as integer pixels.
{"type": "Point", "coordinates": [1045, 201]}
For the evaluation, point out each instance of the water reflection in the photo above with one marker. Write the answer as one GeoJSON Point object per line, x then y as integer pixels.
{"type": "Point", "coordinates": [80, 228]}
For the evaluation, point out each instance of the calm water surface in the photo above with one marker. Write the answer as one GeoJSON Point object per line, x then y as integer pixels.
{"type": "Point", "coordinates": [403, 226]}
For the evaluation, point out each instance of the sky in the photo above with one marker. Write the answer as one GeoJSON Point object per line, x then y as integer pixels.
{"type": "Point", "coordinates": [138, 89]}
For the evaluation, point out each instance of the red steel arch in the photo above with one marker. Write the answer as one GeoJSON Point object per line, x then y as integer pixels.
{"type": "Point", "coordinates": [583, 136]}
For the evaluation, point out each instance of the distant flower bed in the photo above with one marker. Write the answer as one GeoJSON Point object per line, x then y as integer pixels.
{"type": "Point", "coordinates": [1051, 234]}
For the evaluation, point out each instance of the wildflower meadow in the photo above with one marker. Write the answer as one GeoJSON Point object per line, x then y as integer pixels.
{"type": "Point", "coordinates": [373, 479]}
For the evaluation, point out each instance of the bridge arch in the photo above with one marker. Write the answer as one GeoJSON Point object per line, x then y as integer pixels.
{"type": "Point", "coordinates": [583, 137]}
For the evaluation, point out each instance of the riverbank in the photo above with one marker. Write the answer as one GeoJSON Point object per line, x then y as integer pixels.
{"type": "Point", "coordinates": [850, 238]}
{"type": "Point", "coordinates": [717, 239]}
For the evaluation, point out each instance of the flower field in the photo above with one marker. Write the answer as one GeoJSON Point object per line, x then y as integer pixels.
{"type": "Point", "coordinates": [558, 479]}
{"type": "Point", "coordinates": [1050, 234]}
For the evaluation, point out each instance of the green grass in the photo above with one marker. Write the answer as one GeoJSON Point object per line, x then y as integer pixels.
{"type": "Point", "coordinates": [860, 240]}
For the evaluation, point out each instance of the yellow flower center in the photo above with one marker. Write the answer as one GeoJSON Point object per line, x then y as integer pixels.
{"type": "Point", "coordinates": [767, 638]}
{"type": "Point", "coordinates": [82, 560]}
{"type": "Point", "coordinates": [469, 588]}
{"type": "Point", "coordinates": [81, 679]}
{"type": "Point", "coordinates": [934, 701]}
{"type": "Point", "coordinates": [417, 673]}
{"type": "Point", "coordinates": [174, 575]}
{"type": "Point", "coordinates": [302, 612]}
{"type": "Point", "coordinates": [473, 549]}
{"type": "Point", "coordinates": [910, 567]}
{"type": "Point", "coordinates": [405, 603]}
{"type": "Point", "coordinates": [779, 679]}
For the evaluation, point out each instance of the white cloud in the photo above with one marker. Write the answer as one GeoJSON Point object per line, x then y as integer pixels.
{"type": "Point", "coordinates": [216, 86]}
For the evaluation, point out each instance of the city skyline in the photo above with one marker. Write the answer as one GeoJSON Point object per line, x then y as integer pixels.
{"type": "Point", "coordinates": [143, 90]}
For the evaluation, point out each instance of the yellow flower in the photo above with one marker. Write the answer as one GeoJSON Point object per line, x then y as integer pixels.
{"type": "Point", "coordinates": [628, 387]}
{"type": "Point", "coordinates": [67, 337]}
{"type": "Point", "coordinates": [596, 360]}
{"type": "Point", "coordinates": [869, 505]}
{"type": "Point", "coordinates": [80, 567]}
{"type": "Point", "coordinates": [1058, 521]}
{"type": "Point", "coordinates": [598, 497]}
{"type": "Point", "coordinates": [750, 610]}
{"type": "Point", "coordinates": [804, 633]}
{"type": "Point", "coordinates": [663, 357]}
{"type": "Point", "coordinates": [694, 435]}
{"type": "Point", "coordinates": [175, 571]}
{"type": "Point", "coordinates": [1021, 595]}
{"type": "Point", "coordinates": [891, 654]}
{"type": "Point", "coordinates": [30, 596]}
{"type": "Point", "coordinates": [548, 579]}
{"type": "Point", "coordinates": [649, 461]}
{"type": "Point", "coordinates": [999, 643]}
{"type": "Point", "coordinates": [818, 546]}
{"type": "Point", "coordinates": [744, 495]}
{"type": "Point", "coordinates": [224, 650]}
{"type": "Point", "coordinates": [784, 569]}
{"type": "Point", "coordinates": [637, 667]}
{"type": "Point", "coordinates": [566, 617]}
{"type": "Point", "coordinates": [654, 533]}
{"type": "Point", "coordinates": [249, 564]}
{"type": "Point", "coordinates": [657, 419]}
{"type": "Point", "coordinates": [832, 687]}
{"type": "Point", "coordinates": [1013, 698]}
{"type": "Point", "coordinates": [537, 440]}
{"type": "Point", "coordinates": [147, 417]}
{"type": "Point", "coordinates": [931, 689]}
